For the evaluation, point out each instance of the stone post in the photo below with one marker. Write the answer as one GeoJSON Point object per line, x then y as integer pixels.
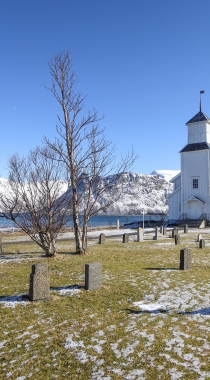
{"type": "Point", "coordinates": [39, 288]}
{"type": "Point", "coordinates": [118, 224]}
{"type": "Point", "coordinates": [185, 259]}
{"type": "Point", "coordinates": [156, 234]}
{"type": "Point", "coordinates": [161, 229]}
{"type": "Point", "coordinates": [202, 243]}
{"type": "Point", "coordinates": [140, 236]}
{"type": "Point", "coordinates": [93, 276]}
{"type": "Point", "coordinates": [177, 239]}
{"type": "Point", "coordinates": [125, 238]}
{"type": "Point", "coordinates": [186, 228]}
{"type": "Point", "coordinates": [199, 237]}
{"type": "Point", "coordinates": [174, 232]}
{"type": "Point", "coordinates": [164, 231]}
{"type": "Point", "coordinates": [101, 239]}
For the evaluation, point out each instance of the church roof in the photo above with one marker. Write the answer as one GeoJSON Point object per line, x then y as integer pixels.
{"type": "Point", "coordinates": [195, 146]}
{"type": "Point", "coordinates": [174, 178]}
{"type": "Point", "coordinates": [200, 116]}
{"type": "Point", "coordinates": [193, 198]}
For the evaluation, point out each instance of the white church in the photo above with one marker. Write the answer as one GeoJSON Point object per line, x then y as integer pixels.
{"type": "Point", "coordinates": [190, 198]}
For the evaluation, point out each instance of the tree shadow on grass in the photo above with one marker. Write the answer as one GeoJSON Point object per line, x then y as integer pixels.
{"type": "Point", "coordinates": [166, 311]}
{"type": "Point", "coordinates": [160, 268]}
{"type": "Point", "coordinates": [19, 255]}
{"type": "Point", "coordinates": [155, 311]}
{"type": "Point", "coordinates": [195, 312]}
{"type": "Point", "coordinates": [70, 253]}
{"type": "Point", "coordinates": [12, 300]}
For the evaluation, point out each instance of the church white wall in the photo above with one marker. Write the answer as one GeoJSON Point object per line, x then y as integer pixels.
{"type": "Point", "coordinates": [198, 132]}
{"type": "Point", "coordinates": [177, 182]}
{"type": "Point", "coordinates": [195, 165]}
{"type": "Point", "coordinates": [175, 205]}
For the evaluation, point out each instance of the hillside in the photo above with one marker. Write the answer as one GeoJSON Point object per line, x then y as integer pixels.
{"type": "Point", "coordinates": [141, 191]}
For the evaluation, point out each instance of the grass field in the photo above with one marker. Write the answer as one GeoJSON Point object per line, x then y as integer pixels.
{"type": "Point", "coordinates": [149, 321]}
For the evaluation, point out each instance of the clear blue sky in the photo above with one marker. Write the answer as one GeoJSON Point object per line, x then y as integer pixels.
{"type": "Point", "coordinates": [141, 62]}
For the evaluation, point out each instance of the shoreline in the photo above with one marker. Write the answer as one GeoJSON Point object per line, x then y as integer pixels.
{"type": "Point", "coordinates": [93, 234]}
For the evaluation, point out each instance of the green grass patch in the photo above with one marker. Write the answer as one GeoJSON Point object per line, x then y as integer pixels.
{"type": "Point", "coordinates": [103, 334]}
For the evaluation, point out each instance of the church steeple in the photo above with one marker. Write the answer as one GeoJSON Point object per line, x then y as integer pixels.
{"type": "Point", "coordinates": [200, 116]}
{"type": "Point", "coordinates": [201, 92]}
{"type": "Point", "coordinates": [198, 131]}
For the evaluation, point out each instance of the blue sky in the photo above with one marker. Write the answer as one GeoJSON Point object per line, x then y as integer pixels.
{"type": "Point", "coordinates": [140, 62]}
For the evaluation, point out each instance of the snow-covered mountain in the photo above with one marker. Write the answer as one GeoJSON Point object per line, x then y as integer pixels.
{"type": "Point", "coordinates": [3, 185]}
{"type": "Point", "coordinates": [62, 187]}
{"type": "Point", "coordinates": [59, 188]}
{"type": "Point", "coordinates": [141, 191]}
{"type": "Point", "coordinates": [166, 174]}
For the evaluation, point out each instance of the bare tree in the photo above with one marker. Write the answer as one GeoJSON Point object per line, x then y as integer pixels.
{"type": "Point", "coordinates": [33, 199]}
{"type": "Point", "coordinates": [87, 155]}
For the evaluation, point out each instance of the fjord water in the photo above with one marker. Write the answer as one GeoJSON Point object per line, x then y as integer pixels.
{"type": "Point", "coordinates": [95, 221]}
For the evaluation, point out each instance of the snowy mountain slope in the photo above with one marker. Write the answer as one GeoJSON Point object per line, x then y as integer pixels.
{"type": "Point", "coordinates": [59, 188]}
{"type": "Point", "coordinates": [166, 174]}
{"type": "Point", "coordinates": [141, 191]}
{"type": "Point", "coordinates": [62, 186]}
{"type": "Point", "coordinates": [148, 192]}
{"type": "Point", "coordinates": [3, 185]}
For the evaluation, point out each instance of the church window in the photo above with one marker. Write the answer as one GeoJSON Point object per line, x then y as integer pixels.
{"type": "Point", "coordinates": [195, 183]}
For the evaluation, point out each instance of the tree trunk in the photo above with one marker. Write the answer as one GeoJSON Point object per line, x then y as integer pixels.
{"type": "Point", "coordinates": [77, 230]}
{"type": "Point", "coordinates": [1, 244]}
{"type": "Point", "coordinates": [51, 251]}
{"type": "Point", "coordinates": [51, 246]}
{"type": "Point", "coordinates": [84, 234]}
{"type": "Point", "coordinates": [48, 245]}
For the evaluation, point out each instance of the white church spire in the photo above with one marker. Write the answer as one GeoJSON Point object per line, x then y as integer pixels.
{"type": "Point", "coordinates": [201, 92]}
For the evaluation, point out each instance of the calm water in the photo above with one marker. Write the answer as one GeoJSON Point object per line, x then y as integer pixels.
{"type": "Point", "coordinates": [96, 221]}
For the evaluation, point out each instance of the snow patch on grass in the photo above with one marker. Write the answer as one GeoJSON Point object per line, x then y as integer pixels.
{"type": "Point", "coordinates": [12, 301]}
{"type": "Point", "coordinates": [70, 290]}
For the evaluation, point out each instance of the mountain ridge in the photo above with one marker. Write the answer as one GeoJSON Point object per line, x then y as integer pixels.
{"type": "Point", "coordinates": [141, 191]}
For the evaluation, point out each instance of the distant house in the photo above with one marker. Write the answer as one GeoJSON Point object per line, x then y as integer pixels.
{"type": "Point", "coordinates": [190, 198]}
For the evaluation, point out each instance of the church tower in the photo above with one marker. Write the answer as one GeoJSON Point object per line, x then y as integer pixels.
{"type": "Point", "coordinates": [191, 196]}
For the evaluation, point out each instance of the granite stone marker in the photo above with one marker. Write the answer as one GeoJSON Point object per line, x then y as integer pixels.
{"type": "Point", "coordinates": [199, 237]}
{"type": "Point", "coordinates": [186, 229]}
{"type": "Point", "coordinates": [161, 229]}
{"type": "Point", "coordinates": [140, 236]}
{"type": "Point", "coordinates": [174, 232]}
{"type": "Point", "coordinates": [185, 259]}
{"type": "Point", "coordinates": [102, 239]}
{"type": "Point", "coordinates": [156, 234]}
{"type": "Point", "coordinates": [164, 231]}
{"type": "Point", "coordinates": [125, 238]}
{"type": "Point", "coordinates": [177, 239]}
{"type": "Point", "coordinates": [202, 243]}
{"type": "Point", "coordinates": [93, 276]}
{"type": "Point", "coordinates": [39, 289]}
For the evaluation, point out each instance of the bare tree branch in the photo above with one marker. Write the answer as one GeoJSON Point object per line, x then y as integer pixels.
{"type": "Point", "coordinates": [33, 198]}
{"type": "Point", "coordinates": [86, 153]}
